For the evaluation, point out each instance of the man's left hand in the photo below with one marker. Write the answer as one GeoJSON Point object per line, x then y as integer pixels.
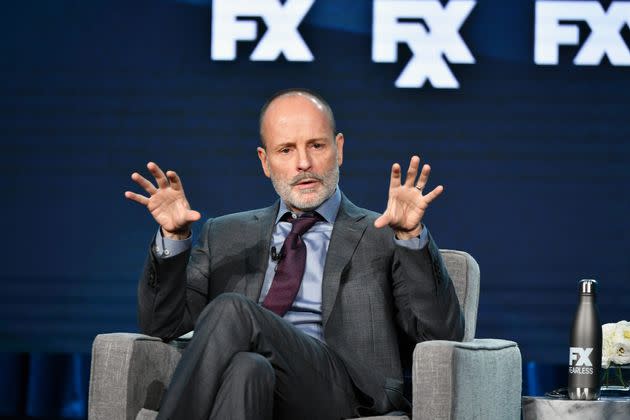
{"type": "Point", "coordinates": [407, 202]}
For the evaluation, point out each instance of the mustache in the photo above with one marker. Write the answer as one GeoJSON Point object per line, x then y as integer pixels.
{"type": "Point", "coordinates": [306, 175]}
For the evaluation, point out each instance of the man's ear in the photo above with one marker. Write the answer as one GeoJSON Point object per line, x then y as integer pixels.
{"type": "Point", "coordinates": [262, 155]}
{"type": "Point", "coordinates": [339, 141]}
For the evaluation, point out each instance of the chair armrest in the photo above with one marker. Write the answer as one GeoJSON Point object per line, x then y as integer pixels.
{"type": "Point", "coordinates": [127, 371]}
{"type": "Point", "coordinates": [468, 380]}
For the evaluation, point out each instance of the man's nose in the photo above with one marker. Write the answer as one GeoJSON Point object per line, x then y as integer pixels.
{"type": "Point", "coordinates": [304, 160]}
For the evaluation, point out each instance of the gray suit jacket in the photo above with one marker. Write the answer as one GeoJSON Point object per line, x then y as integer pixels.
{"type": "Point", "coordinates": [377, 297]}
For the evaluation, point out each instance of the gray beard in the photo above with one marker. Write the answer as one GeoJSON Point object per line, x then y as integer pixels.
{"type": "Point", "coordinates": [292, 199]}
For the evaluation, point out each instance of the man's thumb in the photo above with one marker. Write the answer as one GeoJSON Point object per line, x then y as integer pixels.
{"type": "Point", "coordinates": [381, 221]}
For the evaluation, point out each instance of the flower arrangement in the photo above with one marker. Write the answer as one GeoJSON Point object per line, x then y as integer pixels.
{"type": "Point", "coordinates": [616, 344]}
{"type": "Point", "coordinates": [615, 355]}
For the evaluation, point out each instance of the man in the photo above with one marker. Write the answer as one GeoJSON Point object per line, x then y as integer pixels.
{"type": "Point", "coordinates": [297, 308]}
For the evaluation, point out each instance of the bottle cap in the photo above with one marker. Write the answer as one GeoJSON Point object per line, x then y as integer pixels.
{"type": "Point", "coordinates": [588, 286]}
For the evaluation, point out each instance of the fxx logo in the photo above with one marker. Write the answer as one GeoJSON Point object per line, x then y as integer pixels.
{"type": "Point", "coordinates": [431, 32]}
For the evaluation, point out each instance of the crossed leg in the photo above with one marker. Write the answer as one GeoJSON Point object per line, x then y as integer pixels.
{"type": "Point", "coordinates": [244, 362]}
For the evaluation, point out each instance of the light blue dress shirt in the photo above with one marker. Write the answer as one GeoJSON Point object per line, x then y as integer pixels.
{"type": "Point", "coordinates": [306, 311]}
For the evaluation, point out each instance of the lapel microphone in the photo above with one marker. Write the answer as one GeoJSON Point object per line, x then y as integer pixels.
{"type": "Point", "coordinates": [275, 255]}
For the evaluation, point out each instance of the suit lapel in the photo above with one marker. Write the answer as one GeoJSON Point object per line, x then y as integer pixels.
{"type": "Point", "coordinates": [258, 256]}
{"type": "Point", "coordinates": [347, 231]}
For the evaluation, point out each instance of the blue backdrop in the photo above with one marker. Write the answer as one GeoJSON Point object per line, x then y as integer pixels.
{"type": "Point", "coordinates": [535, 159]}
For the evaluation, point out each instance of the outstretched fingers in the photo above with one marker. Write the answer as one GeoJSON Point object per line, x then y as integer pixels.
{"type": "Point", "coordinates": [174, 179]}
{"type": "Point", "coordinates": [193, 216]}
{"type": "Point", "coordinates": [406, 205]}
{"type": "Point", "coordinates": [382, 221]}
{"type": "Point", "coordinates": [424, 176]}
{"type": "Point", "coordinates": [144, 183]}
{"type": "Point", "coordinates": [137, 198]}
{"type": "Point", "coordinates": [160, 178]}
{"type": "Point", "coordinates": [428, 198]}
{"type": "Point", "coordinates": [394, 181]}
{"type": "Point", "coordinates": [412, 171]}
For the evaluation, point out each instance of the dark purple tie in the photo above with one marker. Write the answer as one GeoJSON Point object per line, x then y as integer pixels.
{"type": "Point", "coordinates": [290, 270]}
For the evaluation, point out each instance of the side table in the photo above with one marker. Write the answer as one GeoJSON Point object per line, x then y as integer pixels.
{"type": "Point", "coordinates": [546, 408]}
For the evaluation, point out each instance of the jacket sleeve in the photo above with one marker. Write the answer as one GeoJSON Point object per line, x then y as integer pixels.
{"type": "Point", "coordinates": [425, 299]}
{"type": "Point", "coordinates": [173, 291]}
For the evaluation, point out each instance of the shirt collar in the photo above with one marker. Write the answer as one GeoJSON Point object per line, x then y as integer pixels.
{"type": "Point", "coordinates": [328, 209]}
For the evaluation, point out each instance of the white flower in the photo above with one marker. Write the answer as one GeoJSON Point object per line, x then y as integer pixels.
{"type": "Point", "coordinates": [622, 353]}
{"type": "Point", "coordinates": [616, 343]}
{"type": "Point", "coordinates": [608, 332]}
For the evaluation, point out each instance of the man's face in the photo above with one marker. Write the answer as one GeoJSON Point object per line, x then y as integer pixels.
{"type": "Point", "coordinates": [301, 156]}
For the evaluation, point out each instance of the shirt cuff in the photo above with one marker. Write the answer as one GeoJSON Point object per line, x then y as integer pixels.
{"type": "Point", "coordinates": [166, 248]}
{"type": "Point", "coordinates": [415, 243]}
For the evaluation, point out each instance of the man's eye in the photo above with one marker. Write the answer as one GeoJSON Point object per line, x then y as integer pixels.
{"type": "Point", "coordinates": [318, 145]}
{"type": "Point", "coordinates": [284, 150]}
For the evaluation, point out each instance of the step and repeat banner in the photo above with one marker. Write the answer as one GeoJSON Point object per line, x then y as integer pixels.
{"type": "Point", "coordinates": [520, 107]}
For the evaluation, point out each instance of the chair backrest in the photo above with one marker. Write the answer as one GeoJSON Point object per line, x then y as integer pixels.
{"type": "Point", "coordinates": [464, 272]}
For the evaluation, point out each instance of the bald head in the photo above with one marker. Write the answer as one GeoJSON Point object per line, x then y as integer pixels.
{"type": "Point", "coordinates": [282, 101]}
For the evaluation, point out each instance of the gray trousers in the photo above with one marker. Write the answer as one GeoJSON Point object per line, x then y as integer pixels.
{"type": "Point", "coordinates": [244, 362]}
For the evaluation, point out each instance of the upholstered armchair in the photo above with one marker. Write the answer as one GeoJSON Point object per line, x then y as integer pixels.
{"type": "Point", "coordinates": [473, 379]}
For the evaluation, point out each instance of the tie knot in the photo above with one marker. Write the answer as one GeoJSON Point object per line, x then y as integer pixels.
{"type": "Point", "coordinates": [303, 223]}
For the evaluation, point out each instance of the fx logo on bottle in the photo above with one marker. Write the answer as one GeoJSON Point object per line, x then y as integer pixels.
{"type": "Point", "coordinates": [229, 25]}
{"type": "Point", "coordinates": [580, 356]}
{"type": "Point", "coordinates": [553, 30]}
{"type": "Point", "coordinates": [431, 32]}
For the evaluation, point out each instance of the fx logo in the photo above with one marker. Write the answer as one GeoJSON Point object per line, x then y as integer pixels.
{"type": "Point", "coordinates": [281, 37]}
{"type": "Point", "coordinates": [581, 355]}
{"type": "Point", "coordinates": [431, 32]}
{"type": "Point", "coordinates": [605, 37]}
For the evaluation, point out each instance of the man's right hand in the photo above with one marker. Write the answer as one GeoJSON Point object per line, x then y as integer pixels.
{"type": "Point", "coordinates": [167, 203]}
